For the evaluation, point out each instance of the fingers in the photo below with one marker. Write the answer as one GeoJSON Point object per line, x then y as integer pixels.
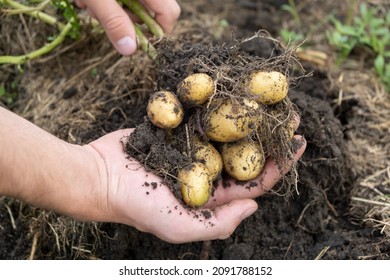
{"type": "Point", "coordinates": [116, 23]}
{"type": "Point", "coordinates": [270, 175]}
{"type": "Point", "coordinates": [196, 225]}
{"type": "Point", "coordinates": [165, 12]}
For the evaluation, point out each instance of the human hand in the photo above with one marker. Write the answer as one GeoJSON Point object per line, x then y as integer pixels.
{"type": "Point", "coordinates": [132, 196]}
{"type": "Point", "coordinates": [119, 25]}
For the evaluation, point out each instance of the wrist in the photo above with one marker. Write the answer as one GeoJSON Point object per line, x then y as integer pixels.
{"type": "Point", "coordinates": [44, 171]}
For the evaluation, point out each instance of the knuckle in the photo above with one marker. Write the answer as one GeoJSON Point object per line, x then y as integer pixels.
{"type": "Point", "coordinates": [114, 23]}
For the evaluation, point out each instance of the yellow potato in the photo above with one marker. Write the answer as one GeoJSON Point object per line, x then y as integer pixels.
{"type": "Point", "coordinates": [269, 87]}
{"type": "Point", "coordinates": [195, 184]}
{"type": "Point", "coordinates": [243, 160]}
{"type": "Point", "coordinates": [165, 110]}
{"type": "Point", "coordinates": [196, 89]}
{"type": "Point", "coordinates": [206, 153]}
{"type": "Point", "coordinates": [232, 121]}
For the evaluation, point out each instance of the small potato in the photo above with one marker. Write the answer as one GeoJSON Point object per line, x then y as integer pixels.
{"type": "Point", "coordinates": [196, 89]}
{"type": "Point", "coordinates": [243, 160]}
{"type": "Point", "coordinates": [232, 121]}
{"type": "Point", "coordinates": [270, 87]}
{"type": "Point", "coordinates": [165, 110]}
{"type": "Point", "coordinates": [205, 152]}
{"type": "Point", "coordinates": [195, 184]}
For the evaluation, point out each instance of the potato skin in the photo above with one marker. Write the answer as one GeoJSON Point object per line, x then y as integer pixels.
{"type": "Point", "coordinates": [195, 184]}
{"type": "Point", "coordinates": [243, 160]}
{"type": "Point", "coordinates": [231, 121]}
{"type": "Point", "coordinates": [165, 110]}
{"type": "Point", "coordinates": [196, 89]}
{"type": "Point", "coordinates": [269, 87]}
{"type": "Point", "coordinates": [206, 153]}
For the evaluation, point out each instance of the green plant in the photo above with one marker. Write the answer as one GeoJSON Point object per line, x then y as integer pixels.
{"type": "Point", "coordinates": [291, 37]}
{"type": "Point", "coordinates": [291, 7]}
{"type": "Point", "coordinates": [368, 31]}
{"type": "Point", "coordinates": [8, 97]}
{"type": "Point", "coordinates": [71, 27]}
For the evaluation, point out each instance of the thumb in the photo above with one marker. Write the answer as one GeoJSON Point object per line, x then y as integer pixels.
{"type": "Point", "coordinates": [116, 23]}
{"type": "Point", "coordinates": [230, 215]}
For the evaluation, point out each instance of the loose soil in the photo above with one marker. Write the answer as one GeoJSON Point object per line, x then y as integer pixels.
{"type": "Point", "coordinates": [344, 118]}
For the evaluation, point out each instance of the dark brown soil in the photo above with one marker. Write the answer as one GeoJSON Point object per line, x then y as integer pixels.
{"type": "Point", "coordinates": [315, 222]}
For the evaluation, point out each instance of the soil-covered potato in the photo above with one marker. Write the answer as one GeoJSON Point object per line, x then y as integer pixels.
{"type": "Point", "coordinates": [165, 110]}
{"type": "Point", "coordinates": [232, 120]}
{"type": "Point", "coordinates": [206, 153]}
{"type": "Point", "coordinates": [269, 87]}
{"type": "Point", "coordinates": [196, 89]}
{"type": "Point", "coordinates": [243, 160]}
{"type": "Point", "coordinates": [195, 184]}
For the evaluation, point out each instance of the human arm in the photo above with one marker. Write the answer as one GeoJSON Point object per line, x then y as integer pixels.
{"type": "Point", "coordinates": [97, 182]}
{"type": "Point", "coordinates": [119, 25]}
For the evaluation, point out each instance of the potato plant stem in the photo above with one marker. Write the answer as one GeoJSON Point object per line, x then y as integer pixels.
{"type": "Point", "coordinates": [135, 7]}
{"type": "Point", "coordinates": [34, 13]}
{"type": "Point", "coordinates": [39, 52]}
{"type": "Point", "coordinates": [145, 44]}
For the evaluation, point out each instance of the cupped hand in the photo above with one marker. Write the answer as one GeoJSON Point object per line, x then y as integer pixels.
{"type": "Point", "coordinates": [118, 24]}
{"type": "Point", "coordinates": [132, 196]}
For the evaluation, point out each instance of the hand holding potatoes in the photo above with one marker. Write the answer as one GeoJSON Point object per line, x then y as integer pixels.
{"type": "Point", "coordinates": [223, 133]}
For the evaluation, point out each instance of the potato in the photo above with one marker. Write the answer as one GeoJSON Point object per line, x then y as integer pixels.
{"type": "Point", "coordinates": [232, 121]}
{"type": "Point", "coordinates": [196, 89]}
{"type": "Point", "coordinates": [165, 110]}
{"type": "Point", "coordinates": [243, 160]}
{"type": "Point", "coordinates": [270, 87]}
{"type": "Point", "coordinates": [195, 184]}
{"type": "Point", "coordinates": [206, 153]}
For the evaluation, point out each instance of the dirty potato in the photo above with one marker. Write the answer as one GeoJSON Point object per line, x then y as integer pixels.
{"type": "Point", "coordinates": [195, 184]}
{"type": "Point", "coordinates": [206, 153]}
{"type": "Point", "coordinates": [165, 110]}
{"type": "Point", "coordinates": [196, 89]}
{"type": "Point", "coordinates": [269, 87]}
{"type": "Point", "coordinates": [231, 120]}
{"type": "Point", "coordinates": [243, 160]}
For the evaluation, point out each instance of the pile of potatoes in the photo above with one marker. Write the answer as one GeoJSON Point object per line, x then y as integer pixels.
{"type": "Point", "coordinates": [229, 128]}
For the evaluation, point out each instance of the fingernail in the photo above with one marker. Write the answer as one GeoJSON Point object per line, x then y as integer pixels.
{"type": "Point", "coordinates": [248, 212]}
{"type": "Point", "coordinates": [126, 45]}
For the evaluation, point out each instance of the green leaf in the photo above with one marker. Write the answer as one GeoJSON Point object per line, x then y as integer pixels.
{"type": "Point", "coordinates": [348, 30]}
{"type": "Point", "coordinates": [381, 31]}
{"type": "Point", "coordinates": [380, 65]}
{"type": "Point", "coordinates": [70, 15]}
{"type": "Point", "coordinates": [388, 17]}
{"type": "Point", "coordinates": [363, 10]}
{"type": "Point", "coordinates": [376, 23]}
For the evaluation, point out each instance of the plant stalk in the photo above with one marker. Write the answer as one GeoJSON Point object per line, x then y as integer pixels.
{"type": "Point", "coordinates": [37, 14]}
{"type": "Point", "coordinates": [144, 43]}
{"type": "Point", "coordinates": [136, 8]}
{"type": "Point", "coordinates": [39, 52]}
